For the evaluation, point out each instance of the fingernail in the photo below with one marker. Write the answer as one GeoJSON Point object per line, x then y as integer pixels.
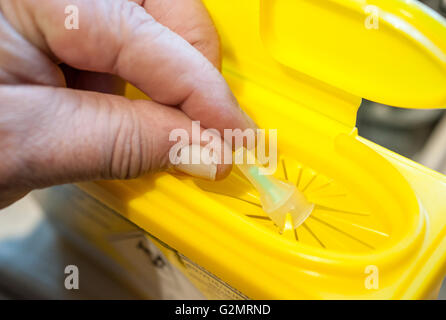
{"type": "Point", "coordinates": [197, 161]}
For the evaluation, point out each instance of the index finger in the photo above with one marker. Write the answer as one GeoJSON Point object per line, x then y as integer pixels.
{"type": "Point", "coordinates": [120, 37]}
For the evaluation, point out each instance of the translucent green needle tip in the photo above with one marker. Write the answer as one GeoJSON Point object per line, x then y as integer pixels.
{"type": "Point", "coordinates": [278, 197]}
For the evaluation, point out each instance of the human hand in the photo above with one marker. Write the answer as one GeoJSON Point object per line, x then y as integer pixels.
{"type": "Point", "coordinates": [61, 119]}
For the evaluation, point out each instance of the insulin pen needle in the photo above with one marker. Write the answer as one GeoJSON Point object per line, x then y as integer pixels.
{"type": "Point", "coordinates": [278, 198]}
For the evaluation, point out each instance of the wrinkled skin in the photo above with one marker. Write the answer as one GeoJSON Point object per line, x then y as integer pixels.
{"type": "Point", "coordinates": [61, 118]}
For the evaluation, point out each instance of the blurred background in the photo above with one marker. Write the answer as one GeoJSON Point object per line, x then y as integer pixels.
{"type": "Point", "coordinates": [33, 256]}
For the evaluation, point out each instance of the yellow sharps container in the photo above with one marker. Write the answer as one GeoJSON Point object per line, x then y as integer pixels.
{"type": "Point", "coordinates": [378, 230]}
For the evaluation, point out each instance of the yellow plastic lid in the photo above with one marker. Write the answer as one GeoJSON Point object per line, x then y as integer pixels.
{"type": "Point", "coordinates": [391, 52]}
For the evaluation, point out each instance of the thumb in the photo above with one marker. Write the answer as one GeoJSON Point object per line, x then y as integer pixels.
{"type": "Point", "coordinates": [56, 135]}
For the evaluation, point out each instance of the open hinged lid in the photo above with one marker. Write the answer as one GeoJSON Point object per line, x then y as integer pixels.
{"type": "Point", "coordinates": [388, 51]}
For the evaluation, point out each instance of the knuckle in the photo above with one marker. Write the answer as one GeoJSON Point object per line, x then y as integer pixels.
{"type": "Point", "coordinates": [126, 160]}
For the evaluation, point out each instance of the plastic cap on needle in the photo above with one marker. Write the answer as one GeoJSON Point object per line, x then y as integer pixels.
{"type": "Point", "coordinates": [277, 197]}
